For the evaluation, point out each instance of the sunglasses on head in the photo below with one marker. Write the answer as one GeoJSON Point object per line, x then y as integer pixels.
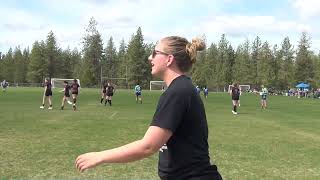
{"type": "Point", "coordinates": [155, 52]}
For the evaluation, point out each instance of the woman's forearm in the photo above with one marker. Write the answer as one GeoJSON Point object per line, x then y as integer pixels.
{"type": "Point", "coordinates": [131, 152]}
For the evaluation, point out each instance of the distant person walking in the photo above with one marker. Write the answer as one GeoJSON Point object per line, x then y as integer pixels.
{"type": "Point", "coordinates": [47, 94]}
{"type": "Point", "coordinates": [264, 94]}
{"type": "Point", "coordinates": [75, 92]}
{"type": "Point", "coordinates": [235, 96]}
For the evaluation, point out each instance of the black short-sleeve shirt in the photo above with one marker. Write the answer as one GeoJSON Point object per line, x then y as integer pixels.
{"type": "Point", "coordinates": [67, 90]}
{"type": "Point", "coordinates": [75, 88]}
{"type": "Point", "coordinates": [110, 89]}
{"type": "Point", "coordinates": [185, 155]}
{"type": "Point", "coordinates": [235, 93]}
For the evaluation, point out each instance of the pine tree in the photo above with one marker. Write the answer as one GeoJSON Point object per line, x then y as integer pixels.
{"type": "Point", "coordinates": [243, 64]}
{"type": "Point", "coordinates": [304, 71]}
{"type": "Point", "coordinates": [123, 61]}
{"type": "Point", "coordinates": [92, 55]}
{"type": "Point", "coordinates": [51, 54]}
{"type": "Point", "coordinates": [138, 65]}
{"type": "Point", "coordinates": [37, 70]}
{"type": "Point", "coordinates": [110, 62]}
{"type": "Point", "coordinates": [18, 66]}
{"type": "Point", "coordinates": [286, 71]}
{"type": "Point", "coordinates": [255, 58]}
{"type": "Point", "coordinates": [8, 66]}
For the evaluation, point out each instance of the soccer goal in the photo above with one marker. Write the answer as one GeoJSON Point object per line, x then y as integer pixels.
{"type": "Point", "coordinates": [243, 88]}
{"type": "Point", "coordinates": [157, 85]}
{"type": "Point", "coordinates": [59, 83]}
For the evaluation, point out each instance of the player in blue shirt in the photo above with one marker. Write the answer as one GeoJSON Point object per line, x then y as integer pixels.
{"type": "Point", "coordinates": [264, 94]}
{"type": "Point", "coordinates": [137, 90]}
{"type": "Point", "coordinates": [198, 89]}
{"type": "Point", "coordinates": [4, 85]}
{"type": "Point", "coordinates": [205, 92]}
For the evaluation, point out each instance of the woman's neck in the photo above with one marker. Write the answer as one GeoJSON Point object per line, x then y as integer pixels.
{"type": "Point", "coordinates": [170, 76]}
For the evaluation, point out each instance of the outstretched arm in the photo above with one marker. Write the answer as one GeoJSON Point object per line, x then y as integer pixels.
{"type": "Point", "coordinates": [152, 141]}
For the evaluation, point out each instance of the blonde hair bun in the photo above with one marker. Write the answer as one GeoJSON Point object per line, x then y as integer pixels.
{"type": "Point", "coordinates": [197, 44]}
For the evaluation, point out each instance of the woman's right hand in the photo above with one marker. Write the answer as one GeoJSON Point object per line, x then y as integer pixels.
{"type": "Point", "coordinates": [88, 160]}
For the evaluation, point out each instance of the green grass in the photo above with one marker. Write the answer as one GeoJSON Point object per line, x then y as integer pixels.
{"type": "Point", "coordinates": [282, 142]}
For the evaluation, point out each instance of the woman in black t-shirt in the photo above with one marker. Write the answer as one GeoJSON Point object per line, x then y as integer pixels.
{"type": "Point", "coordinates": [235, 96]}
{"type": "Point", "coordinates": [104, 92]}
{"type": "Point", "coordinates": [110, 91]}
{"type": "Point", "coordinates": [74, 91]}
{"type": "Point", "coordinates": [179, 126]}
{"type": "Point", "coordinates": [47, 94]}
{"type": "Point", "coordinates": [66, 94]}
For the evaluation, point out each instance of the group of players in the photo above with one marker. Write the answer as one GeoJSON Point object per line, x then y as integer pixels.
{"type": "Point", "coordinates": [106, 94]}
{"type": "Point", "coordinates": [74, 88]}
{"type": "Point", "coordinates": [108, 91]}
{"type": "Point", "coordinates": [235, 93]}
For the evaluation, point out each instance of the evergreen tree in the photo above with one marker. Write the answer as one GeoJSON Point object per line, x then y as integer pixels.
{"type": "Point", "coordinates": [317, 72]}
{"type": "Point", "coordinates": [37, 70]}
{"type": "Point", "coordinates": [65, 64]}
{"type": "Point", "coordinates": [304, 71]}
{"type": "Point", "coordinates": [123, 61]}
{"type": "Point", "coordinates": [26, 61]}
{"type": "Point", "coordinates": [243, 64]}
{"type": "Point", "coordinates": [211, 67]}
{"type": "Point", "coordinates": [110, 63]}
{"type": "Point", "coordinates": [229, 64]}
{"type": "Point", "coordinates": [51, 55]}
{"type": "Point", "coordinates": [76, 64]}
{"type": "Point", "coordinates": [198, 70]}
{"type": "Point", "coordinates": [18, 66]}
{"type": "Point", "coordinates": [92, 55]}
{"type": "Point", "coordinates": [255, 58]}
{"type": "Point", "coordinates": [265, 73]}
{"type": "Point", "coordinates": [138, 65]}
{"type": "Point", "coordinates": [286, 71]}
{"type": "Point", "coordinates": [8, 66]}
{"type": "Point", "coordinates": [221, 67]}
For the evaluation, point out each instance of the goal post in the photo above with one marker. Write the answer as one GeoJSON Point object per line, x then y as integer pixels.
{"type": "Point", "coordinates": [157, 85]}
{"type": "Point", "coordinates": [59, 82]}
{"type": "Point", "coordinates": [243, 88]}
{"type": "Point", "coordinates": [120, 82]}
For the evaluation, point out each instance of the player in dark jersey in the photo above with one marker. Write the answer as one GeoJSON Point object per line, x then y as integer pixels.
{"type": "Point", "coordinates": [47, 94]}
{"type": "Point", "coordinates": [110, 91]}
{"type": "Point", "coordinates": [75, 91]}
{"type": "Point", "coordinates": [179, 127]}
{"type": "Point", "coordinates": [104, 92]}
{"type": "Point", "coordinates": [66, 94]}
{"type": "Point", "coordinates": [235, 96]}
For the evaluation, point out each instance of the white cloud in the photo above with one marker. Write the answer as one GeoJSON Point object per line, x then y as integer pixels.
{"type": "Point", "coordinates": [307, 8]}
{"type": "Point", "coordinates": [120, 19]}
{"type": "Point", "coordinates": [251, 24]}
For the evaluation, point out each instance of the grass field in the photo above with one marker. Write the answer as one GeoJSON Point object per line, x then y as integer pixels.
{"type": "Point", "coordinates": [282, 142]}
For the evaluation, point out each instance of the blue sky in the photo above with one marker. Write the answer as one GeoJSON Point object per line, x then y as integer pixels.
{"type": "Point", "coordinates": [24, 22]}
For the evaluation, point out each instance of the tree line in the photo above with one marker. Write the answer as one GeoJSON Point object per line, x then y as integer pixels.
{"type": "Point", "coordinates": [254, 63]}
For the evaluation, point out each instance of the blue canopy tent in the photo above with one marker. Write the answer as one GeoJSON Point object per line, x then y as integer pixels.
{"type": "Point", "coordinates": [303, 86]}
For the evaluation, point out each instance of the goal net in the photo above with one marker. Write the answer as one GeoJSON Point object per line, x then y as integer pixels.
{"type": "Point", "coordinates": [243, 88]}
{"type": "Point", "coordinates": [157, 85]}
{"type": "Point", "coordinates": [120, 83]}
{"type": "Point", "coordinates": [59, 83]}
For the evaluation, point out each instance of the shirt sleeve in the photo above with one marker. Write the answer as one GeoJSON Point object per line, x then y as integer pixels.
{"type": "Point", "coordinates": [170, 111]}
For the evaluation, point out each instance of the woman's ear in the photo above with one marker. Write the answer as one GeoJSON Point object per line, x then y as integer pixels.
{"type": "Point", "coordinates": [170, 60]}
